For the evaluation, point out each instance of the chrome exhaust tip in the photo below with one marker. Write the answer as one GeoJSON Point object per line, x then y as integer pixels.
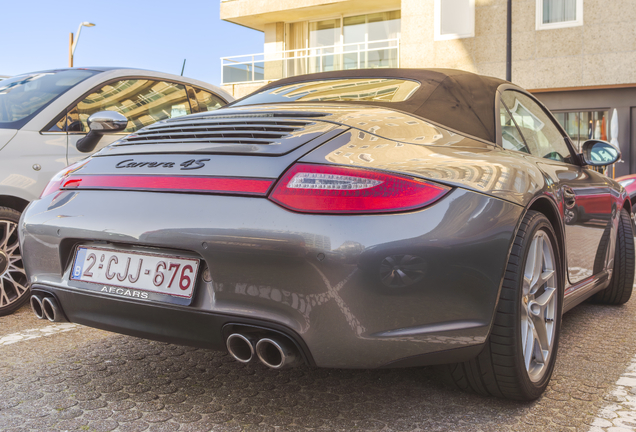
{"type": "Point", "coordinates": [36, 305]}
{"type": "Point", "coordinates": [51, 310]}
{"type": "Point", "coordinates": [276, 354]}
{"type": "Point", "coordinates": [240, 347]}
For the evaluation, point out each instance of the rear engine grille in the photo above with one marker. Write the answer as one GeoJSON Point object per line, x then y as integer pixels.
{"type": "Point", "coordinates": [208, 130]}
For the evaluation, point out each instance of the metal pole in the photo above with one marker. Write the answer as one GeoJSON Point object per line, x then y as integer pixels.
{"type": "Point", "coordinates": [509, 42]}
{"type": "Point", "coordinates": [74, 42]}
{"type": "Point", "coordinates": [79, 30]}
{"type": "Point", "coordinates": [70, 50]}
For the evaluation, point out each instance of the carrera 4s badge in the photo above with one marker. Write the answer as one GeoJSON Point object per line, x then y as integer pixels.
{"type": "Point", "coordinates": [191, 164]}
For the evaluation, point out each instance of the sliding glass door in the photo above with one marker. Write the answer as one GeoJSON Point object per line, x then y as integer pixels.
{"type": "Point", "coordinates": [370, 41]}
{"type": "Point", "coordinates": [354, 42]}
{"type": "Point", "coordinates": [323, 38]}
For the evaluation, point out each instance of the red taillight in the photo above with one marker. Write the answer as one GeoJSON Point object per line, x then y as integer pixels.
{"type": "Point", "coordinates": [332, 189]}
{"type": "Point", "coordinates": [166, 183]}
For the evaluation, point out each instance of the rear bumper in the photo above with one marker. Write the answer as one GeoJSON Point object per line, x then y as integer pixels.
{"type": "Point", "coordinates": [156, 321]}
{"type": "Point", "coordinates": [317, 279]}
{"type": "Point", "coordinates": [200, 328]}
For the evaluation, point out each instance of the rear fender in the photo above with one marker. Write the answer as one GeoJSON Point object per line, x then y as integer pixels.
{"type": "Point", "coordinates": [547, 206]}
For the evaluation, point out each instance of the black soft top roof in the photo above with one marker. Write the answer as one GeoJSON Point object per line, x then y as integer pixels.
{"type": "Point", "coordinates": [461, 100]}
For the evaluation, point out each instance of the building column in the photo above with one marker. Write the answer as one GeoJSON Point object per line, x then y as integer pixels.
{"type": "Point", "coordinates": [274, 44]}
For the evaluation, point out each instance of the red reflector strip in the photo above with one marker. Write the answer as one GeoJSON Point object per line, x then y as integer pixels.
{"type": "Point", "coordinates": [328, 189]}
{"type": "Point", "coordinates": [218, 185]}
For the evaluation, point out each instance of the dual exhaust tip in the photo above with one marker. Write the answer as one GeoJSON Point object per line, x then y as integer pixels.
{"type": "Point", "coordinates": [47, 308]}
{"type": "Point", "coordinates": [272, 352]}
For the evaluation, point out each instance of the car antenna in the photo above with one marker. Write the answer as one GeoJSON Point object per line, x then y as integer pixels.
{"type": "Point", "coordinates": [183, 67]}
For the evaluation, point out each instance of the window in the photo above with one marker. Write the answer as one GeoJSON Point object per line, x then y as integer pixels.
{"type": "Point", "coordinates": [542, 137]}
{"type": "Point", "coordinates": [143, 102]}
{"type": "Point", "coordinates": [207, 101]}
{"type": "Point", "coordinates": [552, 14]}
{"type": "Point", "coordinates": [511, 138]}
{"type": "Point", "coordinates": [59, 125]}
{"type": "Point", "coordinates": [584, 125]}
{"type": "Point", "coordinates": [23, 96]}
{"type": "Point", "coordinates": [454, 19]}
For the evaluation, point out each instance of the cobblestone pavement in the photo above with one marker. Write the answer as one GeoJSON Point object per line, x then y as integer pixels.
{"type": "Point", "coordinates": [621, 414]}
{"type": "Point", "coordinates": [86, 379]}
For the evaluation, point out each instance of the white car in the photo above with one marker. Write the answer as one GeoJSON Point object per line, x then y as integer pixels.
{"type": "Point", "coordinates": [42, 117]}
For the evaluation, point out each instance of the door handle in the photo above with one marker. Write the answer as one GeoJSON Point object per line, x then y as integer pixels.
{"type": "Point", "coordinates": [569, 197]}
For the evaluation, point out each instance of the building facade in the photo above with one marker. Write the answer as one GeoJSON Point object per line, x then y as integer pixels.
{"type": "Point", "coordinates": [577, 56]}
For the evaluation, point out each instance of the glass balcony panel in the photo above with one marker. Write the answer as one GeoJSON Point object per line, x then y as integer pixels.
{"type": "Point", "coordinates": [240, 72]}
{"type": "Point", "coordinates": [272, 66]}
{"type": "Point", "coordinates": [353, 60]}
{"type": "Point", "coordinates": [381, 59]}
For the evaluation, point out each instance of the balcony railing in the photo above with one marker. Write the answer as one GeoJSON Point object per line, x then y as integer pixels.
{"type": "Point", "coordinates": [282, 64]}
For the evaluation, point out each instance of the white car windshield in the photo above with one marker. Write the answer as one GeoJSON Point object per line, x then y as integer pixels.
{"type": "Point", "coordinates": [22, 96]}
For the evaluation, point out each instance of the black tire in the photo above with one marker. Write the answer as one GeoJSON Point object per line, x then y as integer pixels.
{"type": "Point", "coordinates": [499, 370]}
{"type": "Point", "coordinates": [620, 288]}
{"type": "Point", "coordinates": [14, 291]}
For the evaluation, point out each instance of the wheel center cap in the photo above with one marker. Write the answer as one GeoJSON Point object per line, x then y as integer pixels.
{"type": "Point", "coordinates": [4, 263]}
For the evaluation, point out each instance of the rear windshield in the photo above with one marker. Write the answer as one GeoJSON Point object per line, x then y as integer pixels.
{"type": "Point", "coordinates": [337, 90]}
{"type": "Point", "coordinates": [23, 96]}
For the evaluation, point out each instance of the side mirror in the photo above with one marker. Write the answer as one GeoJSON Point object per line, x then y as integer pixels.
{"type": "Point", "coordinates": [599, 153]}
{"type": "Point", "coordinates": [100, 123]}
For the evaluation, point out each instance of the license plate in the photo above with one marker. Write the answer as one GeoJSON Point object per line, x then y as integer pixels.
{"type": "Point", "coordinates": [143, 272]}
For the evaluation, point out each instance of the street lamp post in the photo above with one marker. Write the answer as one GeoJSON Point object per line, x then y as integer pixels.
{"type": "Point", "coordinates": [72, 44]}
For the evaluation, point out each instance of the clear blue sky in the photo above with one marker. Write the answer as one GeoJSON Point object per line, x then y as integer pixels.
{"type": "Point", "coordinates": [154, 35]}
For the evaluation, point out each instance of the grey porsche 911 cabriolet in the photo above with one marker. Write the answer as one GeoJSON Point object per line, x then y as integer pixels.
{"type": "Point", "coordinates": [350, 219]}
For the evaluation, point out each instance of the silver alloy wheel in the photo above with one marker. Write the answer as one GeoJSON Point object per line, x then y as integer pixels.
{"type": "Point", "coordinates": [539, 306]}
{"type": "Point", "coordinates": [13, 278]}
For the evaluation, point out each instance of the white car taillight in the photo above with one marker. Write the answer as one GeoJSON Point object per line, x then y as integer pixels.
{"type": "Point", "coordinates": [56, 182]}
